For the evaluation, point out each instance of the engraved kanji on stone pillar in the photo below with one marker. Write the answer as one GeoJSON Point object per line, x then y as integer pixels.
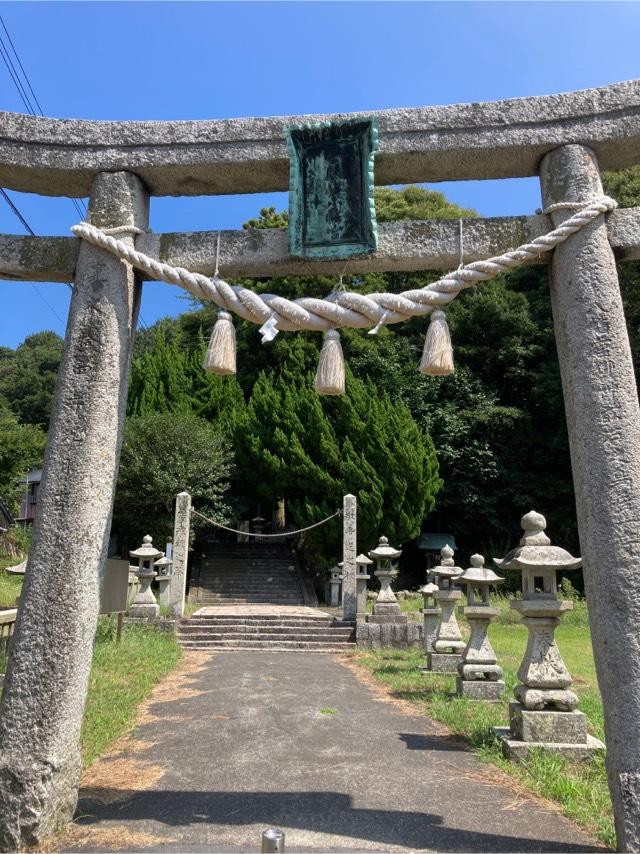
{"type": "Point", "coordinates": [180, 553]}
{"type": "Point", "coordinates": [349, 551]}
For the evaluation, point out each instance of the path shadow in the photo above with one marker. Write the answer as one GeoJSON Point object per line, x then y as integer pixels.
{"type": "Point", "coordinates": [322, 812]}
{"type": "Point", "coordinates": [415, 741]}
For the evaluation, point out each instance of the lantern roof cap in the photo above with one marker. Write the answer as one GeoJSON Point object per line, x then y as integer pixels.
{"type": "Point", "coordinates": [535, 550]}
{"type": "Point", "coordinates": [478, 574]}
{"type": "Point", "coordinates": [383, 551]}
{"type": "Point", "coordinates": [146, 551]}
{"type": "Point", "coordinates": [362, 558]}
{"type": "Point", "coordinates": [163, 561]}
{"type": "Point", "coordinates": [447, 568]}
{"type": "Point", "coordinates": [429, 588]}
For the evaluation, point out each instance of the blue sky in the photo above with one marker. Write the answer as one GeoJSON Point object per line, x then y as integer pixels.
{"type": "Point", "coordinates": [216, 60]}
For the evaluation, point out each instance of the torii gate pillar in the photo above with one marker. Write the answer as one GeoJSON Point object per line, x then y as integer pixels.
{"type": "Point", "coordinates": [48, 673]}
{"type": "Point", "coordinates": [603, 421]}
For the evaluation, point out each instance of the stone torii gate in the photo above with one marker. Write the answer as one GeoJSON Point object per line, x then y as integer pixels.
{"type": "Point", "coordinates": [562, 139]}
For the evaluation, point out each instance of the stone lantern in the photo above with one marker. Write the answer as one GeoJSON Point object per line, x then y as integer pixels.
{"type": "Point", "coordinates": [431, 614]}
{"type": "Point", "coordinates": [545, 713]}
{"type": "Point", "coordinates": [479, 676]}
{"type": "Point", "coordinates": [164, 569]}
{"type": "Point", "coordinates": [335, 580]}
{"type": "Point", "coordinates": [386, 609]}
{"type": "Point", "coordinates": [448, 643]}
{"type": "Point", "coordinates": [362, 577]}
{"type": "Point", "coordinates": [145, 604]}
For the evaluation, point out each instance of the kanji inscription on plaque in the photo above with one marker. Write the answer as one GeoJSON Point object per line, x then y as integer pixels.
{"type": "Point", "coordinates": [331, 202]}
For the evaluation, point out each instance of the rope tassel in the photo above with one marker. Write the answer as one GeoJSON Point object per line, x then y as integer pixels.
{"type": "Point", "coordinates": [437, 356]}
{"type": "Point", "coordinates": [330, 373]}
{"type": "Point", "coordinates": [221, 353]}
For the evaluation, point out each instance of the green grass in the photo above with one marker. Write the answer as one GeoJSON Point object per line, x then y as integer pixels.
{"type": "Point", "coordinates": [328, 711]}
{"type": "Point", "coordinates": [122, 676]}
{"type": "Point", "coordinates": [579, 788]}
{"type": "Point", "coordinates": [10, 585]}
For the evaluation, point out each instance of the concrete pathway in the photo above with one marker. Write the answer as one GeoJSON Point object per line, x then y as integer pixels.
{"type": "Point", "coordinates": [233, 744]}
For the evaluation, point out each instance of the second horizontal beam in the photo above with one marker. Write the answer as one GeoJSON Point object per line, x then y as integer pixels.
{"type": "Point", "coordinates": [406, 246]}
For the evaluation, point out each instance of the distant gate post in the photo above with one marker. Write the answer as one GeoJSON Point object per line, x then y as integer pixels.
{"type": "Point", "coordinates": [48, 672]}
{"type": "Point", "coordinates": [603, 421]}
{"type": "Point", "coordinates": [349, 551]}
{"type": "Point", "coordinates": [180, 553]}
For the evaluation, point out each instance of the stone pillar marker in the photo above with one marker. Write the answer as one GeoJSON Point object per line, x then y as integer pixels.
{"type": "Point", "coordinates": [349, 551]}
{"type": "Point", "coordinates": [479, 676]}
{"type": "Point", "coordinates": [603, 422]}
{"type": "Point", "coordinates": [178, 586]}
{"type": "Point", "coordinates": [47, 677]}
{"type": "Point", "coordinates": [448, 643]}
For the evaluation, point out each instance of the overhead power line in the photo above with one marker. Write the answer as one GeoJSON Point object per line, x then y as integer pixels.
{"type": "Point", "coordinates": [22, 83]}
{"type": "Point", "coordinates": [24, 73]}
{"type": "Point", "coordinates": [9, 201]}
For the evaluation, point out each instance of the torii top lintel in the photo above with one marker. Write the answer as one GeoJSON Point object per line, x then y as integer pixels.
{"type": "Point", "coordinates": [499, 139]}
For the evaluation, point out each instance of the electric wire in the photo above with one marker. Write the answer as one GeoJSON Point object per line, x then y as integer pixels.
{"type": "Point", "coordinates": [4, 27]}
{"type": "Point", "coordinates": [26, 100]}
{"type": "Point", "coordinates": [15, 210]}
{"type": "Point", "coordinates": [80, 208]}
{"type": "Point", "coordinates": [16, 81]}
{"type": "Point", "coordinates": [22, 90]}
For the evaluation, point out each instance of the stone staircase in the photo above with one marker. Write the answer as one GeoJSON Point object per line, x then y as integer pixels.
{"type": "Point", "coordinates": [302, 630]}
{"type": "Point", "coordinates": [245, 573]}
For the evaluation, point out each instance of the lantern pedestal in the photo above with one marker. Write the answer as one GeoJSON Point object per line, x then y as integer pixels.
{"type": "Point", "coordinates": [164, 585]}
{"type": "Point", "coordinates": [561, 732]}
{"type": "Point", "coordinates": [430, 618]}
{"type": "Point", "coordinates": [431, 614]}
{"type": "Point", "coordinates": [362, 579]}
{"type": "Point", "coordinates": [335, 582]}
{"type": "Point", "coordinates": [145, 604]}
{"type": "Point", "coordinates": [384, 614]}
{"type": "Point", "coordinates": [448, 643]}
{"type": "Point", "coordinates": [361, 595]}
{"type": "Point", "coordinates": [164, 569]}
{"type": "Point", "coordinates": [479, 676]}
{"type": "Point", "coordinates": [543, 673]}
{"type": "Point", "coordinates": [386, 610]}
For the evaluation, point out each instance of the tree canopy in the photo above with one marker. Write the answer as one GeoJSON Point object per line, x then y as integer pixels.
{"type": "Point", "coordinates": [21, 449]}
{"type": "Point", "coordinates": [496, 425]}
{"type": "Point", "coordinates": [162, 455]}
{"type": "Point", "coordinates": [28, 377]}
